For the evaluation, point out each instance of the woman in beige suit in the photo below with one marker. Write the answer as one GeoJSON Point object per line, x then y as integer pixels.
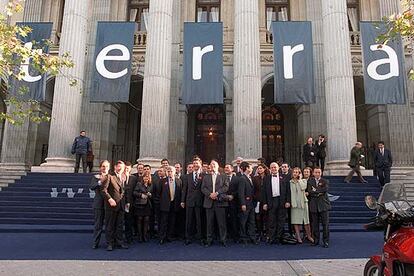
{"type": "Point", "coordinates": [299, 205]}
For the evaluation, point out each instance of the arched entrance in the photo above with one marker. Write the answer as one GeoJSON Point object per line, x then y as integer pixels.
{"type": "Point", "coordinates": [207, 133]}
{"type": "Point", "coordinates": [272, 132]}
{"type": "Point", "coordinates": [129, 124]}
{"type": "Point", "coordinates": [279, 129]}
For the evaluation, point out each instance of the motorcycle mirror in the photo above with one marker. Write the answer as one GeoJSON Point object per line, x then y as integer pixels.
{"type": "Point", "coordinates": [371, 202]}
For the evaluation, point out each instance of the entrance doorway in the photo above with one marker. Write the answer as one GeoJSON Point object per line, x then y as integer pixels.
{"type": "Point", "coordinates": [207, 133]}
{"type": "Point", "coordinates": [272, 132]}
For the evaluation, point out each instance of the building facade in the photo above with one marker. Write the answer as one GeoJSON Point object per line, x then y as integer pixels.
{"type": "Point", "coordinates": [155, 124]}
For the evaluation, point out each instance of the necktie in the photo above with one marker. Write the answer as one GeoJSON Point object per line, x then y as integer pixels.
{"type": "Point", "coordinates": [228, 179]}
{"type": "Point", "coordinates": [382, 152]}
{"type": "Point", "coordinates": [214, 182]}
{"type": "Point", "coordinates": [172, 189]}
{"type": "Point", "coordinates": [195, 179]}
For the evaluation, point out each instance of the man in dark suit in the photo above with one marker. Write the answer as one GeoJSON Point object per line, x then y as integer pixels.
{"type": "Point", "coordinates": [276, 199]}
{"type": "Point", "coordinates": [98, 202]}
{"type": "Point", "coordinates": [247, 205]}
{"type": "Point", "coordinates": [170, 200]}
{"type": "Point", "coordinates": [113, 194]}
{"type": "Point", "coordinates": [286, 175]}
{"type": "Point", "coordinates": [236, 168]}
{"type": "Point", "coordinates": [319, 206]}
{"type": "Point", "coordinates": [130, 184]}
{"type": "Point", "coordinates": [233, 221]}
{"type": "Point", "coordinates": [321, 152]}
{"type": "Point", "coordinates": [309, 153]}
{"type": "Point", "coordinates": [383, 163]}
{"type": "Point", "coordinates": [192, 200]}
{"type": "Point", "coordinates": [215, 190]}
{"type": "Point", "coordinates": [157, 178]}
{"type": "Point", "coordinates": [180, 226]}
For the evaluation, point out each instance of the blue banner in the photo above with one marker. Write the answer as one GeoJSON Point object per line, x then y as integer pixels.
{"type": "Point", "coordinates": [112, 63]}
{"type": "Point", "coordinates": [33, 84]}
{"type": "Point", "coordinates": [203, 63]}
{"type": "Point", "coordinates": [293, 62]}
{"type": "Point", "coordinates": [384, 72]}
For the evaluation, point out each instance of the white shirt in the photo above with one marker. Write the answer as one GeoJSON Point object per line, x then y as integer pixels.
{"type": "Point", "coordinates": [275, 186]}
{"type": "Point", "coordinates": [214, 177]}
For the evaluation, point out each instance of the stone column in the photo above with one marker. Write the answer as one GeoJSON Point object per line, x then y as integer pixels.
{"type": "Point", "coordinates": [33, 10]}
{"type": "Point", "coordinates": [247, 99]}
{"type": "Point", "coordinates": [18, 156]}
{"type": "Point", "coordinates": [157, 84]}
{"type": "Point", "coordinates": [400, 120]}
{"type": "Point", "coordinates": [67, 101]}
{"type": "Point", "coordinates": [339, 86]}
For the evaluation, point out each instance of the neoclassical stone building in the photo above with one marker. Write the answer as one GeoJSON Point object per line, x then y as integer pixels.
{"type": "Point", "coordinates": [155, 124]}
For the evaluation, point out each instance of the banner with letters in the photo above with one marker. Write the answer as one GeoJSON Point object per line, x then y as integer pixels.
{"type": "Point", "coordinates": [203, 63]}
{"type": "Point", "coordinates": [384, 72]}
{"type": "Point", "coordinates": [112, 63]}
{"type": "Point", "coordinates": [33, 84]}
{"type": "Point", "coordinates": [293, 62]}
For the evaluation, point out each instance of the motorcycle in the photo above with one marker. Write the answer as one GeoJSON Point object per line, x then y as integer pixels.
{"type": "Point", "coordinates": [395, 216]}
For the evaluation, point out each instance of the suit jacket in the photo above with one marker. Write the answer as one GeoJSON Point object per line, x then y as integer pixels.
{"type": "Point", "coordinates": [246, 192]}
{"type": "Point", "coordinates": [267, 193]}
{"type": "Point", "coordinates": [207, 188]}
{"type": "Point", "coordinates": [321, 149]}
{"type": "Point", "coordinates": [156, 183]}
{"type": "Point", "coordinates": [98, 201]}
{"type": "Point", "coordinates": [191, 194]}
{"type": "Point", "coordinates": [129, 189]}
{"type": "Point", "coordinates": [233, 188]}
{"type": "Point", "coordinates": [355, 158]}
{"type": "Point", "coordinates": [383, 161]}
{"type": "Point", "coordinates": [307, 150]}
{"type": "Point", "coordinates": [139, 190]}
{"type": "Point", "coordinates": [238, 173]}
{"type": "Point", "coordinates": [113, 188]}
{"type": "Point", "coordinates": [318, 195]}
{"type": "Point", "coordinates": [165, 197]}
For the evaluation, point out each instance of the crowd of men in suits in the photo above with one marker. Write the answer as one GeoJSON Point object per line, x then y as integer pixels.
{"type": "Point", "coordinates": [205, 203]}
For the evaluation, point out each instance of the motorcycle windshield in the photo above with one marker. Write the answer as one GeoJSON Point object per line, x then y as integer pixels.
{"type": "Point", "coordinates": [394, 198]}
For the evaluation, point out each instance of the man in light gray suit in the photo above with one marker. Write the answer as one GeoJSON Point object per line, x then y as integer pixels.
{"type": "Point", "coordinates": [214, 189]}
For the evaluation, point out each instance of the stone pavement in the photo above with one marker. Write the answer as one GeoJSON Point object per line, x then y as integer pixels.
{"type": "Point", "coordinates": [338, 267]}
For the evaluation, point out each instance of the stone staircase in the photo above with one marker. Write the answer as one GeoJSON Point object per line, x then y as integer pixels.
{"type": "Point", "coordinates": [60, 202]}
{"type": "Point", "coordinates": [9, 177]}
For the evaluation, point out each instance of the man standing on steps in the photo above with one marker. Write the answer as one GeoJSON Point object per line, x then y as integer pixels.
{"type": "Point", "coordinates": [383, 163]}
{"type": "Point", "coordinates": [113, 192]}
{"type": "Point", "coordinates": [98, 202]}
{"type": "Point", "coordinates": [81, 146]}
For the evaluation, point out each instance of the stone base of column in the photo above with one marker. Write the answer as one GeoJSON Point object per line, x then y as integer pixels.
{"type": "Point", "coordinates": [252, 162]}
{"type": "Point", "coordinates": [341, 168]}
{"type": "Point", "coordinates": [56, 165]}
{"type": "Point", "coordinates": [15, 167]}
{"type": "Point", "coordinates": [153, 162]}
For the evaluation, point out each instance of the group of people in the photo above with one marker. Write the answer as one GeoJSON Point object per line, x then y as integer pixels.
{"type": "Point", "coordinates": [244, 203]}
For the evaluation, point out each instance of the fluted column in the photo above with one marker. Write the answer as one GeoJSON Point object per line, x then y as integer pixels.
{"type": "Point", "coordinates": [33, 10]}
{"type": "Point", "coordinates": [157, 84]}
{"type": "Point", "coordinates": [247, 105]}
{"type": "Point", "coordinates": [400, 121]}
{"type": "Point", "coordinates": [339, 86]}
{"type": "Point", "coordinates": [67, 100]}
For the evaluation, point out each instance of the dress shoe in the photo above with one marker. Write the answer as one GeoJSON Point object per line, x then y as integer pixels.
{"type": "Point", "coordinates": [363, 181]}
{"type": "Point", "coordinates": [110, 248]}
{"type": "Point", "coordinates": [326, 245]}
{"type": "Point", "coordinates": [207, 244]}
{"type": "Point", "coordinates": [95, 246]}
{"type": "Point", "coordinates": [224, 244]}
{"type": "Point", "coordinates": [162, 241]}
{"type": "Point", "coordinates": [347, 181]}
{"type": "Point", "coordinates": [187, 242]}
{"type": "Point", "coordinates": [255, 241]}
{"type": "Point", "coordinates": [315, 243]}
{"type": "Point", "coordinates": [124, 246]}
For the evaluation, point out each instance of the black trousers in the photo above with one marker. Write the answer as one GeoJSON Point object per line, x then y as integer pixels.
{"type": "Point", "coordinates": [247, 225]}
{"type": "Point", "coordinates": [354, 170]}
{"type": "Point", "coordinates": [99, 215]}
{"type": "Point", "coordinates": [129, 224]}
{"type": "Point", "coordinates": [220, 214]}
{"type": "Point", "coordinates": [193, 218]}
{"type": "Point", "coordinates": [321, 163]}
{"type": "Point", "coordinates": [276, 220]}
{"type": "Point", "coordinates": [80, 156]}
{"type": "Point", "coordinates": [167, 226]}
{"type": "Point", "coordinates": [320, 217]}
{"type": "Point", "coordinates": [233, 221]}
{"type": "Point", "coordinates": [114, 227]}
{"type": "Point", "coordinates": [383, 175]}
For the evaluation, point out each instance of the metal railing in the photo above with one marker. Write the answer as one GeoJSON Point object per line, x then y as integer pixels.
{"type": "Point", "coordinates": [354, 37]}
